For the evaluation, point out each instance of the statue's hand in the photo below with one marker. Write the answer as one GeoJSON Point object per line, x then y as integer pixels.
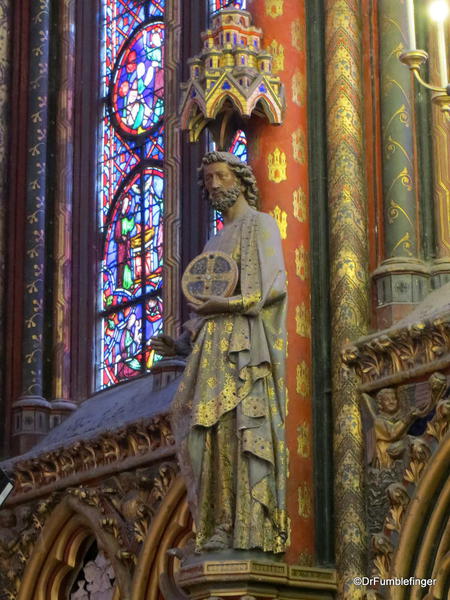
{"type": "Point", "coordinates": [211, 305]}
{"type": "Point", "coordinates": [164, 345]}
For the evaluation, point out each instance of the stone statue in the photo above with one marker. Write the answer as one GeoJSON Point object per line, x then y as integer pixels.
{"type": "Point", "coordinates": [228, 412]}
{"type": "Point", "coordinates": [390, 425]}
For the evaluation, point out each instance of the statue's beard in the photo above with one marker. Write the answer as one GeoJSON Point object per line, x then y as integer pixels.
{"type": "Point", "coordinates": [224, 199]}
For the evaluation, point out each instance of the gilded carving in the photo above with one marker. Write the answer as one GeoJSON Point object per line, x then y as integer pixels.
{"type": "Point", "coordinates": [134, 440]}
{"type": "Point", "coordinates": [400, 351]}
{"type": "Point", "coordinates": [274, 8]}
{"type": "Point", "coordinates": [19, 529]}
{"type": "Point", "coordinates": [299, 205]}
{"type": "Point", "coordinates": [390, 424]}
{"type": "Point", "coordinates": [301, 263]}
{"type": "Point", "coordinates": [399, 481]}
{"type": "Point", "coordinates": [299, 146]}
{"type": "Point", "coordinates": [297, 35]}
{"type": "Point", "coordinates": [277, 166]}
{"type": "Point", "coordinates": [277, 51]}
{"type": "Point", "coordinates": [280, 217]}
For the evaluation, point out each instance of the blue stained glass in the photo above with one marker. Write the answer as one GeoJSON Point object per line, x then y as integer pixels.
{"type": "Point", "coordinates": [133, 258]}
{"type": "Point", "coordinates": [154, 145]}
{"type": "Point", "coordinates": [215, 5]}
{"type": "Point", "coordinates": [139, 83]}
{"type": "Point", "coordinates": [131, 195]}
{"type": "Point", "coordinates": [122, 356]}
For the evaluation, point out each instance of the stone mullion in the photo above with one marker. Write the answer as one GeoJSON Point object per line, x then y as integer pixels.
{"type": "Point", "coordinates": [441, 177]}
{"type": "Point", "coordinates": [349, 276]}
{"type": "Point", "coordinates": [402, 279]}
{"type": "Point", "coordinates": [172, 172]}
{"type": "Point", "coordinates": [62, 307]}
{"type": "Point", "coordinates": [31, 410]}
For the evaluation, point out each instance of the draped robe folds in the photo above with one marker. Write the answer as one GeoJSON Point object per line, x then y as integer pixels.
{"type": "Point", "coordinates": [228, 413]}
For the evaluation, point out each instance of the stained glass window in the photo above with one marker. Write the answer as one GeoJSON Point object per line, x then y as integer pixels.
{"type": "Point", "coordinates": [238, 147]}
{"type": "Point", "coordinates": [215, 5]}
{"type": "Point", "coordinates": [131, 186]}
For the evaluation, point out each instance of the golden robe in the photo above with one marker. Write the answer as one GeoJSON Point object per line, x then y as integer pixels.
{"type": "Point", "coordinates": [228, 413]}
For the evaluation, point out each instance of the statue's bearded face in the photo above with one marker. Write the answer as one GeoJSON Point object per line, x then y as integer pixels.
{"type": "Point", "coordinates": [222, 185]}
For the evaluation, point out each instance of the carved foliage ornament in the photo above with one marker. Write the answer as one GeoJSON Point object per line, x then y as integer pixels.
{"type": "Point", "coordinates": [133, 440]}
{"type": "Point", "coordinates": [403, 352]}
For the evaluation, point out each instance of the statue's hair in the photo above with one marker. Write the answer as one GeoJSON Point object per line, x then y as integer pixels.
{"type": "Point", "coordinates": [242, 171]}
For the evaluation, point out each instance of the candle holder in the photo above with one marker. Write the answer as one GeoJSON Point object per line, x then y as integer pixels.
{"type": "Point", "coordinates": [414, 59]}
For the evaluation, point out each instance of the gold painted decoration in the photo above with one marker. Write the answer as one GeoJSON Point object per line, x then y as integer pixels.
{"type": "Point", "coordinates": [280, 217]}
{"type": "Point", "coordinates": [298, 85]}
{"type": "Point", "coordinates": [277, 166]}
{"type": "Point", "coordinates": [303, 320]}
{"type": "Point", "coordinates": [274, 8]}
{"type": "Point", "coordinates": [305, 501]}
{"type": "Point", "coordinates": [304, 440]}
{"type": "Point", "coordinates": [298, 35]}
{"type": "Point", "coordinates": [277, 51]}
{"type": "Point", "coordinates": [299, 205]}
{"type": "Point", "coordinates": [231, 78]}
{"type": "Point", "coordinates": [303, 380]}
{"type": "Point", "coordinates": [301, 263]}
{"type": "Point", "coordinates": [299, 146]}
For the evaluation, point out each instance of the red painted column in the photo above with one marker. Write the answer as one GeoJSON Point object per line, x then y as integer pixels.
{"type": "Point", "coordinates": [279, 158]}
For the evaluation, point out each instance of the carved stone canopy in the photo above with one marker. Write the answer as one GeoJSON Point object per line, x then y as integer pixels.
{"type": "Point", "coordinates": [230, 80]}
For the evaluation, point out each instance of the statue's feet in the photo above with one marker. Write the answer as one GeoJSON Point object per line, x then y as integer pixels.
{"type": "Point", "coordinates": [220, 540]}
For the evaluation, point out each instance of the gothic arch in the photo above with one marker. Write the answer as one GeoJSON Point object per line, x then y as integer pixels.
{"type": "Point", "coordinates": [171, 528]}
{"type": "Point", "coordinates": [59, 551]}
{"type": "Point", "coordinates": [424, 546]}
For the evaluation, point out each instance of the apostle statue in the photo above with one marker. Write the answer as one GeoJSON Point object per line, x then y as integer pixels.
{"type": "Point", "coordinates": [229, 410]}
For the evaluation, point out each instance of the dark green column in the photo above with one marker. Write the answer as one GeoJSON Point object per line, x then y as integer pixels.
{"type": "Point", "coordinates": [31, 410]}
{"type": "Point", "coordinates": [402, 279]}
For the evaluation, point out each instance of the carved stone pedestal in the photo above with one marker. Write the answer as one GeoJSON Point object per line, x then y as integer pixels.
{"type": "Point", "coordinates": [239, 579]}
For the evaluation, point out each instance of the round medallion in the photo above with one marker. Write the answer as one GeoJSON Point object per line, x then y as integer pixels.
{"type": "Point", "coordinates": [137, 92]}
{"type": "Point", "coordinates": [209, 274]}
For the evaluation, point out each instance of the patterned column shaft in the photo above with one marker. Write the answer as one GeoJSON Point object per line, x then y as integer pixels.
{"type": "Point", "coordinates": [34, 284]}
{"type": "Point", "coordinates": [349, 276]}
{"type": "Point", "coordinates": [279, 157]}
{"type": "Point", "coordinates": [441, 175]}
{"type": "Point", "coordinates": [172, 173]}
{"type": "Point", "coordinates": [399, 185]}
{"type": "Point", "coordinates": [63, 205]}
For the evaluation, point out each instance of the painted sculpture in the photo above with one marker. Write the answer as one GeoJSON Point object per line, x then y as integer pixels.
{"type": "Point", "coordinates": [228, 412]}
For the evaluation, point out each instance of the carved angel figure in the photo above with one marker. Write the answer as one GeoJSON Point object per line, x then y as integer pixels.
{"type": "Point", "coordinates": [390, 424]}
